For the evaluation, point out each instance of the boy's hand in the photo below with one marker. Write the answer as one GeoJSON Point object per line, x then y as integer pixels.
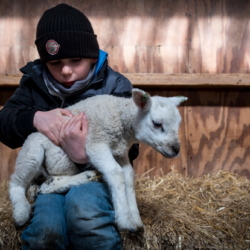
{"type": "Point", "coordinates": [72, 138]}
{"type": "Point", "coordinates": [49, 123]}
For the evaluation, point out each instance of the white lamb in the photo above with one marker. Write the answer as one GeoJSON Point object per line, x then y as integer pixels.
{"type": "Point", "coordinates": [114, 125]}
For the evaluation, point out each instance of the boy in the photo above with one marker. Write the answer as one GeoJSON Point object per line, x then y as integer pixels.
{"type": "Point", "coordinates": [71, 68]}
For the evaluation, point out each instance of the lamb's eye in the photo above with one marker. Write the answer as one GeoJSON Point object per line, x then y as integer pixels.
{"type": "Point", "coordinates": [157, 124]}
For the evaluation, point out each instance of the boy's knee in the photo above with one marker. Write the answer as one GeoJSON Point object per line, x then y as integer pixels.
{"type": "Point", "coordinates": [88, 207]}
{"type": "Point", "coordinates": [90, 218]}
{"type": "Point", "coordinates": [47, 238]}
{"type": "Point", "coordinates": [48, 227]}
{"type": "Point", "coordinates": [90, 196]}
{"type": "Point", "coordinates": [53, 239]}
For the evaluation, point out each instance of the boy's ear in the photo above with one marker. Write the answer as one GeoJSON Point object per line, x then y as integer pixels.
{"type": "Point", "coordinates": [142, 99]}
{"type": "Point", "coordinates": [93, 60]}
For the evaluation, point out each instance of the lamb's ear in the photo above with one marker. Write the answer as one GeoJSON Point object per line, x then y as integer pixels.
{"type": "Point", "coordinates": [142, 99]}
{"type": "Point", "coordinates": [177, 100]}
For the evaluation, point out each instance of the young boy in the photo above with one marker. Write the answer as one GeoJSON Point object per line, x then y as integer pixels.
{"type": "Point", "coordinates": [71, 68]}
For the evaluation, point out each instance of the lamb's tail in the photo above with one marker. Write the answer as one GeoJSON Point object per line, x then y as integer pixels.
{"type": "Point", "coordinates": [28, 163]}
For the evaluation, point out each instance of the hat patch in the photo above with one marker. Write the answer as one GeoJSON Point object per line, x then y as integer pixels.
{"type": "Point", "coordinates": [52, 47]}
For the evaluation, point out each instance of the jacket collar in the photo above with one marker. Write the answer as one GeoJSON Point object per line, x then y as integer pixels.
{"type": "Point", "coordinates": [35, 71]}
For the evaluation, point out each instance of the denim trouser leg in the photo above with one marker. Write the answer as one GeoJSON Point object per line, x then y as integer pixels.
{"type": "Point", "coordinates": [47, 229]}
{"type": "Point", "coordinates": [90, 218]}
{"type": "Point", "coordinates": [83, 218]}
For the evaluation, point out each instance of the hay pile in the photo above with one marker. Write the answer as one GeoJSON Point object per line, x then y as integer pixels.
{"type": "Point", "coordinates": [210, 212]}
{"type": "Point", "coordinates": [9, 235]}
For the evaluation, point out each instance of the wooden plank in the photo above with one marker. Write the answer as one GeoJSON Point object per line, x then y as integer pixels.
{"type": "Point", "coordinates": [218, 132]}
{"type": "Point", "coordinates": [219, 36]}
{"type": "Point", "coordinates": [166, 80]}
{"type": "Point", "coordinates": [143, 36]}
{"type": "Point", "coordinates": [190, 80]}
{"type": "Point", "coordinates": [7, 164]}
{"type": "Point", "coordinates": [8, 80]}
{"type": "Point", "coordinates": [126, 30]}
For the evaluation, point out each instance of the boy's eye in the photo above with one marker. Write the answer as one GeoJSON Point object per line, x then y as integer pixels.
{"type": "Point", "coordinates": [54, 62]}
{"type": "Point", "coordinates": [76, 59]}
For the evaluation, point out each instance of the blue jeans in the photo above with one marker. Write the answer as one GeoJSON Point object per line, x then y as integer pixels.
{"type": "Point", "coordinates": [83, 218]}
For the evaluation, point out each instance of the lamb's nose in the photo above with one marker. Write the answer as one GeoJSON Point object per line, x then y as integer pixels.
{"type": "Point", "coordinates": [176, 148]}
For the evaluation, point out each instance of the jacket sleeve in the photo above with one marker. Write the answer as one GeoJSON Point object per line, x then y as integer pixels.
{"type": "Point", "coordinates": [16, 117]}
{"type": "Point", "coordinates": [123, 87]}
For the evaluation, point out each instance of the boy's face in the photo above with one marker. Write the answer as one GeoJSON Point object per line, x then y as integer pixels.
{"type": "Point", "coordinates": [68, 71]}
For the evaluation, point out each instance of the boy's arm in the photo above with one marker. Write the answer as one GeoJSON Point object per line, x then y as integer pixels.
{"type": "Point", "coordinates": [16, 117]}
{"type": "Point", "coordinates": [21, 116]}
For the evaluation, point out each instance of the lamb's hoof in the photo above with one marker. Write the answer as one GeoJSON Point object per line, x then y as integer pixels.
{"type": "Point", "coordinates": [128, 225]}
{"type": "Point", "coordinates": [21, 214]}
{"type": "Point", "coordinates": [46, 187]}
{"type": "Point", "coordinates": [136, 231]}
{"type": "Point", "coordinates": [20, 222]}
{"type": "Point", "coordinates": [90, 174]}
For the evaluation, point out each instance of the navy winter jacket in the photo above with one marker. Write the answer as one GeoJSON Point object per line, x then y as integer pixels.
{"type": "Point", "coordinates": [16, 117]}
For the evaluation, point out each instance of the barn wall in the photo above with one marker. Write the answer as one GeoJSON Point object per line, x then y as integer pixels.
{"type": "Point", "coordinates": [164, 36]}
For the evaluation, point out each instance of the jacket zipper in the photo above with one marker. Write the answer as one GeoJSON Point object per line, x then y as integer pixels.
{"type": "Point", "coordinates": [63, 101]}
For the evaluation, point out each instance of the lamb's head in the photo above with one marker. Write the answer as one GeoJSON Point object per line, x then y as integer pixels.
{"type": "Point", "coordinates": [157, 122]}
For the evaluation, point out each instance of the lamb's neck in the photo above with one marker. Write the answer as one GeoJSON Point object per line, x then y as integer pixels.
{"type": "Point", "coordinates": [128, 116]}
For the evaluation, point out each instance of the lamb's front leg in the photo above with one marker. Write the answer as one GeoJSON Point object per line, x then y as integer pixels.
{"type": "Point", "coordinates": [102, 158]}
{"type": "Point", "coordinates": [130, 190]}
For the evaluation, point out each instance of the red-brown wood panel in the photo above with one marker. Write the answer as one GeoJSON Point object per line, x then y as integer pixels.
{"type": "Point", "coordinates": [219, 36]}
{"type": "Point", "coordinates": [144, 36]}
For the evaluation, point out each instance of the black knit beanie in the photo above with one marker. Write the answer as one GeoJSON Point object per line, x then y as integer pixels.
{"type": "Point", "coordinates": [65, 32]}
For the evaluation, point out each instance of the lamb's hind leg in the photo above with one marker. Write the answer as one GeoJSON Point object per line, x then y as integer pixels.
{"type": "Point", "coordinates": [103, 160]}
{"type": "Point", "coordinates": [130, 190]}
{"type": "Point", "coordinates": [27, 166]}
{"type": "Point", "coordinates": [60, 184]}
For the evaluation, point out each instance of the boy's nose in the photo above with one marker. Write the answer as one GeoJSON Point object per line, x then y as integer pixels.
{"type": "Point", "coordinates": [66, 70]}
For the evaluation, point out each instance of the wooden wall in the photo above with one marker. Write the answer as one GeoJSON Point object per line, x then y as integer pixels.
{"type": "Point", "coordinates": [160, 37]}
{"type": "Point", "coordinates": [163, 36]}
